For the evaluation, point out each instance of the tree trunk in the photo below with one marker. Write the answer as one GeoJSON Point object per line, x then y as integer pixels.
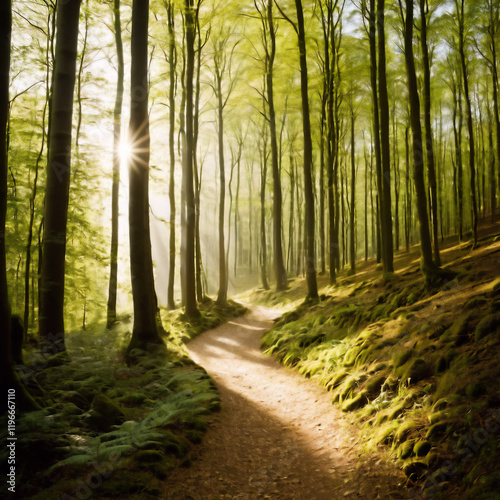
{"type": "Point", "coordinates": [263, 242]}
{"type": "Point", "coordinates": [10, 384]}
{"type": "Point", "coordinates": [117, 118]}
{"type": "Point", "coordinates": [386, 223]}
{"type": "Point", "coordinates": [198, 169]}
{"type": "Point", "coordinates": [493, 32]}
{"type": "Point", "coordinates": [270, 53]}
{"type": "Point", "coordinates": [352, 222]}
{"type": "Point", "coordinates": [223, 281]}
{"type": "Point", "coordinates": [291, 222]}
{"type": "Point", "coordinates": [427, 264]}
{"type": "Point", "coordinates": [145, 331]}
{"type": "Point", "coordinates": [58, 180]}
{"type": "Point", "coordinates": [312, 286]}
{"type": "Point", "coordinates": [188, 251]}
{"type": "Point", "coordinates": [470, 126]}
{"type": "Point", "coordinates": [431, 169]}
{"type": "Point", "coordinates": [171, 153]}
{"type": "Point", "coordinates": [376, 129]}
{"type": "Point", "coordinates": [408, 201]}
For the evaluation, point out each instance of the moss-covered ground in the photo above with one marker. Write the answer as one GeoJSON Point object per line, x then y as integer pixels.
{"type": "Point", "coordinates": [415, 368]}
{"type": "Point", "coordinates": [107, 429]}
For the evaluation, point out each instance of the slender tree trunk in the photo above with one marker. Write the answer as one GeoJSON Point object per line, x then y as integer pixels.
{"type": "Point", "coordinates": [366, 205]}
{"type": "Point", "coordinates": [376, 128]}
{"type": "Point", "coordinates": [237, 237]}
{"type": "Point", "coordinates": [171, 152]}
{"type": "Point", "coordinates": [352, 223]}
{"type": "Point", "coordinates": [263, 242]}
{"type": "Point", "coordinates": [117, 118]}
{"type": "Point", "coordinates": [491, 169]}
{"type": "Point", "coordinates": [291, 222]}
{"type": "Point", "coordinates": [395, 159]}
{"type": "Point", "coordinates": [431, 169]}
{"type": "Point", "coordinates": [198, 169]}
{"type": "Point", "coordinates": [494, 26]}
{"type": "Point", "coordinates": [250, 214]}
{"type": "Point", "coordinates": [223, 281]}
{"type": "Point", "coordinates": [470, 126]}
{"type": "Point", "coordinates": [408, 214]}
{"type": "Point", "coordinates": [270, 50]}
{"type": "Point", "coordinates": [312, 286]}
{"type": "Point", "coordinates": [58, 180]}
{"type": "Point", "coordinates": [387, 245]}
{"type": "Point", "coordinates": [427, 264]}
{"type": "Point", "coordinates": [188, 252]}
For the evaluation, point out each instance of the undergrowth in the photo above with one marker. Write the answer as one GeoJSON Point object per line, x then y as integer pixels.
{"type": "Point", "coordinates": [417, 369]}
{"type": "Point", "coordinates": [104, 423]}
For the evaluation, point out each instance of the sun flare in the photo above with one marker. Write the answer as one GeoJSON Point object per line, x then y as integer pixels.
{"type": "Point", "coordinates": [125, 151]}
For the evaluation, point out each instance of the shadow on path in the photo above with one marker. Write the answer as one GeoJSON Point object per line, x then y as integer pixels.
{"type": "Point", "coordinates": [277, 435]}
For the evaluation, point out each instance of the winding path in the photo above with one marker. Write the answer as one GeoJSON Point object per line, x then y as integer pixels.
{"type": "Point", "coordinates": [277, 435]}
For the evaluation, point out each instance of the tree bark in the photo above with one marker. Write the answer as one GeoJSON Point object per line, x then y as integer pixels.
{"type": "Point", "coordinates": [431, 169]}
{"type": "Point", "coordinates": [376, 129]}
{"type": "Point", "coordinates": [263, 240]}
{"type": "Point", "coordinates": [145, 332]}
{"type": "Point", "coordinates": [352, 213]}
{"type": "Point", "coordinates": [279, 267]}
{"type": "Point", "coordinates": [188, 252]}
{"type": "Point", "coordinates": [58, 180]}
{"type": "Point", "coordinates": [386, 223]}
{"type": "Point", "coordinates": [312, 286]}
{"type": "Point", "coordinates": [117, 118]}
{"type": "Point", "coordinates": [470, 126]}
{"type": "Point", "coordinates": [171, 153]}
{"type": "Point", "coordinates": [427, 264]}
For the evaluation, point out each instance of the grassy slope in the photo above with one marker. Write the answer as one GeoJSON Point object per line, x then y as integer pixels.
{"type": "Point", "coordinates": [417, 369]}
{"type": "Point", "coordinates": [107, 429]}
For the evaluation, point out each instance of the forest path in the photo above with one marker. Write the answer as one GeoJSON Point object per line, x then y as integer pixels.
{"type": "Point", "coordinates": [277, 435]}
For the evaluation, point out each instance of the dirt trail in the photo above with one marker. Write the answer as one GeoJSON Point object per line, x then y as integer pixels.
{"type": "Point", "coordinates": [277, 435]}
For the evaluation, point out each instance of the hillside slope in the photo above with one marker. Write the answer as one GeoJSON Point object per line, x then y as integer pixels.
{"type": "Point", "coordinates": [418, 369]}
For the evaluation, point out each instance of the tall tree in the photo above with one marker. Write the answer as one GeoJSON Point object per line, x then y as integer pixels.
{"type": "Point", "coordinates": [429, 146]}
{"type": "Point", "coordinates": [58, 179]}
{"type": "Point", "coordinates": [115, 190]}
{"type": "Point", "coordinates": [269, 41]}
{"type": "Point", "coordinates": [427, 263]}
{"type": "Point", "coordinates": [145, 331]}
{"type": "Point", "coordinates": [309, 226]}
{"type": "Point", "coordinates": [188, 251]}
{"type": "Point", "coordinates": [8, 378]}
{"type": "Point", "coordinates": [386, 215]}
{"type": "Point", "coordinates": [171, 151]}
{"type": "Point", "coordinates": [462, 36]}
{"type": "Point", "coordinates": [223, 57]}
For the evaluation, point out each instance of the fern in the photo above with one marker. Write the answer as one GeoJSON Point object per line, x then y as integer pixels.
{"type": "Point", "coordinates": [75, 460]}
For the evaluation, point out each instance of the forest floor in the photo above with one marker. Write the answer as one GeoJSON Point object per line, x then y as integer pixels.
{"type": "Point", "coordinates": [277, 435]}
